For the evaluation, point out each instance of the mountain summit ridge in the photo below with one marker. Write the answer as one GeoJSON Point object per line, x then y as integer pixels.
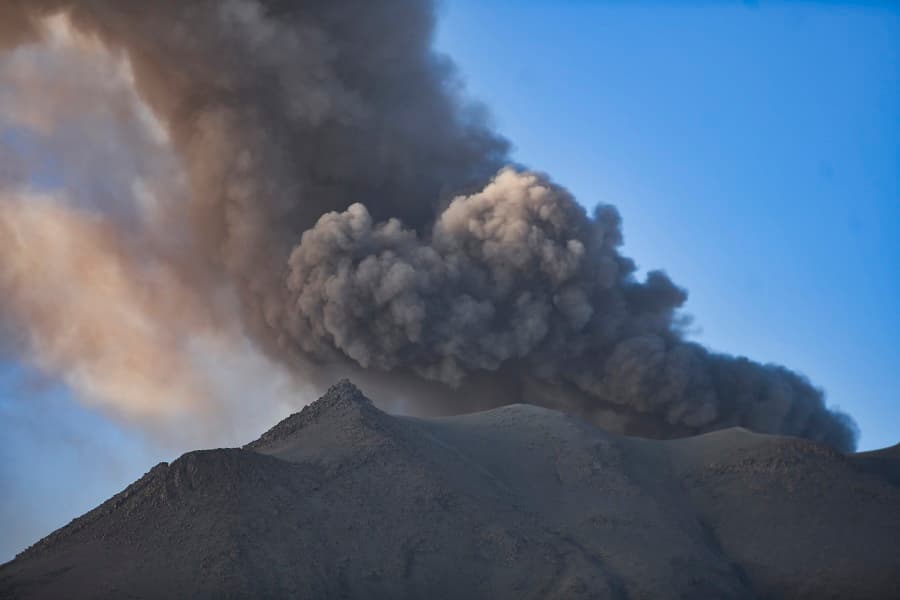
{"type": "Point", "coordinates": [343, 500]}
{"type": "Point", "coordinates": [340, 397]}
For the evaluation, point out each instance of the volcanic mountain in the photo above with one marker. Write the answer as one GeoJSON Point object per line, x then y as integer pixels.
{"type": "Point", "coordinates": [342, 500]}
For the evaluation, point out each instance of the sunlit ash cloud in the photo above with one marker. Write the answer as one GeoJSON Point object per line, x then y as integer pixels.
{"type": "Point", "coordinates": [297, 190]}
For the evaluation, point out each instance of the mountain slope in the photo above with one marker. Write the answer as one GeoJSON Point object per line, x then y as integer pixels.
{"type": "Point", "coordinates": [344, 501]}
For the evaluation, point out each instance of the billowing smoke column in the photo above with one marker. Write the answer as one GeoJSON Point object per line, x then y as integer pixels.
{"type": "Point", "coordinates": [319, 166]}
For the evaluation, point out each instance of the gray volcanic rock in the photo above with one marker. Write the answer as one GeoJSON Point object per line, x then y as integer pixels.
{"type": "Point", "coordinates": [342, 500]}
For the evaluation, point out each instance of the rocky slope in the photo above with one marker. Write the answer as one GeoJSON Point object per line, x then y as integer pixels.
{"type": "Point", "coordinates": [344, 501]}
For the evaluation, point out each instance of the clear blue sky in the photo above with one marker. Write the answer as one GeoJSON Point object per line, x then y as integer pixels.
{"type": "Point", "coordinates": [753, 149]}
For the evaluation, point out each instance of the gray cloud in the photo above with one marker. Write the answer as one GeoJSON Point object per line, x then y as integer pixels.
{"type": "Point", "coordinates": [337, 182]}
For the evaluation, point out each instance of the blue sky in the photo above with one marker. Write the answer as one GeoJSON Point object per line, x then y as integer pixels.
{"type": "Point", "coordinates": [753, 150]}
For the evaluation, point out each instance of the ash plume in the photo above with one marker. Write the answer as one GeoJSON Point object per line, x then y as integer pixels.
{"type": "Point", "coordinates": [311, 172]}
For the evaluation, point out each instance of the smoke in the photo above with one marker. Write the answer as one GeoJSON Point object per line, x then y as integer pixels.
{"type": "Point", "coordinates": [100, 287]}
{"type": "Point", "coordinates": [304, 185]}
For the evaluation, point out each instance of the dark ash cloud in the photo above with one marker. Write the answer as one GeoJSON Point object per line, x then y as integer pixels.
{"type": "Point", "coordinates": [363, 212]}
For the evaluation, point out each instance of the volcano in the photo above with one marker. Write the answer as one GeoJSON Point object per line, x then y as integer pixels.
{"type": "Point", "coordinates": [342, 500]}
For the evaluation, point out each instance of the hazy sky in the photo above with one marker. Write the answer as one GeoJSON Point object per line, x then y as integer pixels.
{"type": "Point", "coordinates": [753, 150]}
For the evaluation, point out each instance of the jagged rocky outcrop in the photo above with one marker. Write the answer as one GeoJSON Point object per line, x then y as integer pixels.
{"type": "Point", "coordinates": [343, 500]}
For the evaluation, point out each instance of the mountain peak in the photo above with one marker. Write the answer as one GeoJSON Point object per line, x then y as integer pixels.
{"type": "Point", "coordinates": [343, 402]}
{"type": "Point", "coordinates": [344, 391]}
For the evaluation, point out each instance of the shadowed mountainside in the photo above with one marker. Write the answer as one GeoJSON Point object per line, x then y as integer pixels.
{"type": "Point", "coordinates": [343, 500]}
